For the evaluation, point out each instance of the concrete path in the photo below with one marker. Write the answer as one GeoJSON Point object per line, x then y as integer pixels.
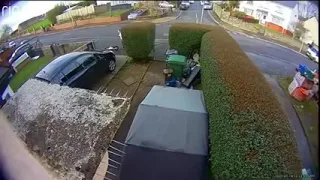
{"type": "Point", "coordinates": [301, 139]}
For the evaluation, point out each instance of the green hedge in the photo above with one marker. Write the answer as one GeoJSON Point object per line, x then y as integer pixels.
{"type": "Point", "coordinates": [186, 37]}
{"type": "Point", "coordinates": [250, 136]}
{"type": "Point", "coordinates": [138, 39]}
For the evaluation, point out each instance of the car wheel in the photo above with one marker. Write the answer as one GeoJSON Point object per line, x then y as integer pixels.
{"type": "Point", "coordinates": [112, 65]}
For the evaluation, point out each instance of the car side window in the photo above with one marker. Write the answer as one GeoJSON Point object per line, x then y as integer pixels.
{"type": "Point", "coordinates": [71, 70]}
{"type": "Point", "coordinates": [86, 60]}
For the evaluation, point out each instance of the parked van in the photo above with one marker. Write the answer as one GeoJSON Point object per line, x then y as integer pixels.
{"type": "Point", "coordinates": [313, 52]}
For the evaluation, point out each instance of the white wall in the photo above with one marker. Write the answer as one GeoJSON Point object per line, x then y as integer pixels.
{"type": "Point", "coordinates": [286, 14]}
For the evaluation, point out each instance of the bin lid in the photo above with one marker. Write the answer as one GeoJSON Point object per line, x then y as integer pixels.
{"type": "Point", "coordinates": [177, 59]}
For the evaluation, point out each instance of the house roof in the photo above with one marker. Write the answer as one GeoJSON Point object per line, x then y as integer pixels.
{"type": "Point", "coordinates": [290, 4]}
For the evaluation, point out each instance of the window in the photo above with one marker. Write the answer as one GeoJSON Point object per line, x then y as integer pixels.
{"type": "Point", "coordinates": [277, 20]}
{"type": "Point", "coordinates": [71, 70]}
{"type": "Point", "coordinates": [250, 2]}
{"type": "Point", "coordinates": [86, 60]}
{"type": "Point", "coordinates": [248, 11]}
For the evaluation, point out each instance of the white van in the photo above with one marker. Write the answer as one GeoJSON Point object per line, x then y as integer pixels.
{"type": "Point", "coordinates": [313, 53]}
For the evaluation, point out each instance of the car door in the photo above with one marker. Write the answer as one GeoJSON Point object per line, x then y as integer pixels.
{"type": "Point", "coordinates": [91, 69]}
{"type": "Point", "coordinates": [72, 75]}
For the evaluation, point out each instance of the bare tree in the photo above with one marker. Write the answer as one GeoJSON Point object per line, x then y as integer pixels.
{"type": "Point", "coordinates": [5, 31]}
{"type": "Point", "coordinates": [307, 10]}
{"type": "Point", "coordinates": [299, 29]}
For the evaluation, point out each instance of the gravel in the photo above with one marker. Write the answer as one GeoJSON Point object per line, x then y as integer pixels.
{"type": "Point", "coordinates": [69, 129]}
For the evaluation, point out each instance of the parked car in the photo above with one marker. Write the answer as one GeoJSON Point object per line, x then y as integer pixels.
{"type": "Point", "coordinates": [186, 3]}
{"type": "Point", "coordinates": [313, 52]}
{"type": "Point", "coordinates": [183, 7]}
{"type": "Point", "coordinates": [12, 44]}
{"type": "Point", "coordinates": [23, 41]}
{"type": "Point", "coordinates": [165, 4]}
{"type": "Point", "coordinates": [135, 14]}
{"type": "Point", "coordinates": [207, 5]}
{"type": "Point", "coordinates": [191, 2]}
{"type": "Point", "coordinates": [78, 69]}
{"type": "Point", "coordinates": [20, 51]}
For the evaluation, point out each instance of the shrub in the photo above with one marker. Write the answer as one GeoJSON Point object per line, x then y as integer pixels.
{"type": "Point", "coordinates": [186, 37]}
{"type": "Point", "coordinates": [244, 17]}
{"type": "Point", "coordinates": [138, 39]}
{"type": "Point", "coordinates": [250, 136]}
{"type": "Point", "coordinates": [57, 10]}
{"type": "Point", "coordinates": [238, 14]}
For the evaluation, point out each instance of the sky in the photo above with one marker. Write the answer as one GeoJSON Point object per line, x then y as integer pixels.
{"type": "Point", "coordinates": [21, 11]}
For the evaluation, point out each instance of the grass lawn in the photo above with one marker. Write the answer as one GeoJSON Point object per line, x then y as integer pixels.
{"type": "Point", "coordinates": [308, 113]}
{"type": "Point", "coordinates": [44, 23]}
{"type": "Point", "coordinates": [28, 72]}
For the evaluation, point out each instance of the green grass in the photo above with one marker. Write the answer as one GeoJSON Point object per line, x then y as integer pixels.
{"type": "Point", "coordinates": [308, 113]}
{"type": "Point", "coordinates": [44, 23]}
{"type": "Point", "coordinates": [28, 72]}
{"type": "Point", "coordinates": [116, 13]}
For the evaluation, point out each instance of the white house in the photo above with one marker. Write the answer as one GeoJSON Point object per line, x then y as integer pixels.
{"type": "Point", "coordinates": [277, 15]}
{"type": "Point", "coordinates": [312, 25]}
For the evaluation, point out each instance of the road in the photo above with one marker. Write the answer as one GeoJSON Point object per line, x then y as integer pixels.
{"type": "Point", "coordinates": [270, 58]}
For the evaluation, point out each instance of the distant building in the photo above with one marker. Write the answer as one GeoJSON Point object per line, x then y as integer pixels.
{"type": "Point", "coordinates": [277, 15]}
{"type": "Point", "coordinates": [312, 25]}
{"type": "Point", "coordinates": [24, 25]}
{"type": "Point", "coordinates": [113, 3]}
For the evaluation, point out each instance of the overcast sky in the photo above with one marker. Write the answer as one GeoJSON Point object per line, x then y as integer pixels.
{"type": "Point", "coordinates": [21, 11]}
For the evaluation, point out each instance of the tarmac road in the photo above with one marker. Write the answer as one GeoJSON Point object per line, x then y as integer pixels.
{"type": "Point", "coordinates": [270, 58]}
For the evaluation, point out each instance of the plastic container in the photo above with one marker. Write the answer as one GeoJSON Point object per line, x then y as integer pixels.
{"type": "Point", "coordinates": [178, 64]}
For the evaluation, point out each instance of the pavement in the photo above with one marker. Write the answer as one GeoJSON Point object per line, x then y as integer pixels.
{"type": "Point", "coordinates": [301, 139]}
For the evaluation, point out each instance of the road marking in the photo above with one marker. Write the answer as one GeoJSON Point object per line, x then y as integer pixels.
{"type": "Point", "coordinates": [196, 18]}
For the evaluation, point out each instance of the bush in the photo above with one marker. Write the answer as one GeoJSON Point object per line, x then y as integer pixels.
{"type": "Point", "coordinates": [57, 10]}
{"type": "Point", "coordinates": [238, 14]}
{"type": "Point", "coordinates": [250, 136]}
{"type": "Point", "coordinates": [186, 37]}
{"type": "Point", "coordinates": [244, 17]}
{"type": "Point", "coordinates": [138, 39]}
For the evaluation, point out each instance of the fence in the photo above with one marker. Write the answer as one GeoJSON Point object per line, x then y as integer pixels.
{"type": "Point", "coordinates": [85, 11]}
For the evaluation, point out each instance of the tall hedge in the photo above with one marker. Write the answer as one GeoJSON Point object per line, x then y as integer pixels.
{"type": "Point", "coordinates": [250, 136]}
{"type": "Point", "coordinates": [186, 37]}
{"type": "Point", "coordinates": [138, 39]}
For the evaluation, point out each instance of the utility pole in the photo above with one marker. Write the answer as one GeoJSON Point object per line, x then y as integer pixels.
{"type": "Point", "coordinates": [202, 15]}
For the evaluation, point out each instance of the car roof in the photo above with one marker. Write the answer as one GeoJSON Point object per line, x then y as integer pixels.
{"type": "Point", "coordinates": [55, 66]}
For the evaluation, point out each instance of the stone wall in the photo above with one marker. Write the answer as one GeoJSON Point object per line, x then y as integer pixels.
{"type": "Point", "coordinates": [225, 17]}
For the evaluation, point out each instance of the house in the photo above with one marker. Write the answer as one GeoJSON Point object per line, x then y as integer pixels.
{"type": "Point", "coordinates": [24, 25]}
{"type": "Point", "coordinates": [312, 26]}
{"type": "Point", "coordinates": [277, 15]}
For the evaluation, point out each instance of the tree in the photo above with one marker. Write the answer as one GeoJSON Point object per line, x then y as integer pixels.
{"type": "Point", "coordinates": [57, 10]}
{"type": "Point", "coordinates": [233, 4]}
{"type": "Point", "coordinates": [307, 10]}
{"type": "Point", "coordinates": [299, 30]}
{"type": "Point", "coordinates": [6, 30]}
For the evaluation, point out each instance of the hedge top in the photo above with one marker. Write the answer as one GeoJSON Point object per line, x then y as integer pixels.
{"type": "Point", "coordinates": [250, 136]}
{"type": "Point", "coordinates": [186, 37]}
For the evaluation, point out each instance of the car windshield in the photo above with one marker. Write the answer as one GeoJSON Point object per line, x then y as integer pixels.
{"type": "Point", "coordinates": [207, 3]}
